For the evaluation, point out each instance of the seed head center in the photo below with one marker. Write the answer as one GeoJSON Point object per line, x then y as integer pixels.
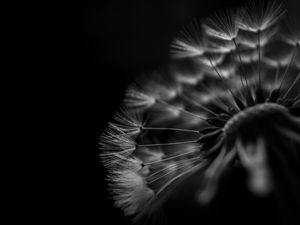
{"type": "Point", "coordinates": [250, 114]}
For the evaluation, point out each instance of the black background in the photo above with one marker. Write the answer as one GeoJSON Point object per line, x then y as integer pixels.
{"type": "Point", "coordinates": [98, 47]}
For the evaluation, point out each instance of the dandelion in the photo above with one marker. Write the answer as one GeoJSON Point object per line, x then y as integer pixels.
{"type": "Point", "coordinates": [237, 108]}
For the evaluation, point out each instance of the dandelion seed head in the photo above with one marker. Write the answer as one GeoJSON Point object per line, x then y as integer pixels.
{"type": "Point", "coordinates": [228, 101]}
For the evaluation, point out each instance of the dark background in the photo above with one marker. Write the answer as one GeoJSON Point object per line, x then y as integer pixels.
{"type": "Point", "coordinates": [97, 49]}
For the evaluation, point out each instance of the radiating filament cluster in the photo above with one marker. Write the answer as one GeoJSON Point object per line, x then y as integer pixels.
{"type": "Point", "coordinates": [232, 85]}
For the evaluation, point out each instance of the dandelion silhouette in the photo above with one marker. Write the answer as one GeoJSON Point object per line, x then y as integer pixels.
{"type": "Point", "coordinates": [229, 99]}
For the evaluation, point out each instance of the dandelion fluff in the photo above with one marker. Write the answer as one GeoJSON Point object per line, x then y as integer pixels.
{"type": "Point", "coordinates": [229, 101]}
{"type": "Point", "coordinates": [130, 191]}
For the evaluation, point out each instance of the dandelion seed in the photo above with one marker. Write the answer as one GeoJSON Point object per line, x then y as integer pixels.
{"type": "Point", "coordinates": [138, 99]}
{"type": "Point", "coordinates": [130, 191]}
{"type": "Point", "coordinates": [222, 25]}
{"type": "Point", "coordinates": [260, 15]}
{"type": "Point", "coordinates": [115, 141]}
{"type": "Point", "coordinates": [183, 49]}
{"type": "Point", "coordinates": [188, 43]}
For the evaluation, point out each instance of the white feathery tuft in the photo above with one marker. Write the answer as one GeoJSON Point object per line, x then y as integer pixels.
{"type": "Point", "coordinates": [138, 99]}
{"type": "Point", "coordinates": [222, 25]}
{"type": "Point", "coordinates": [130, 191]}
{"type": "Point", "coordinates": [113, 140]}
{"type": "Point", "coordinates": [129, 123]}
{"type": "Point", "coordinates": [260, 15]}
{"type": "Point", "coordinates": [183, 49]}
{"type": "Point", "coordinates": [188, 43]}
